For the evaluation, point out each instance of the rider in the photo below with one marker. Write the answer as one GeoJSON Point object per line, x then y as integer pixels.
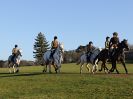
{"type": "Point", "coordinates": [54, 46]}
{"type": "Point", "coordinates": [89, 50]}
{"type": "Point", "coordinates": [14, 52]}
{"type": "Point", "coordinates": [107, 43]}
{"type": "Point", "coordinates": [114, 41]}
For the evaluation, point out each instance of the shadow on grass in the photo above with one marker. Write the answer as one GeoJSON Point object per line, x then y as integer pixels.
{"type": "Point", "coordinates": [62, 73]}
{"type": "Point", "coordinates": [19, 74]}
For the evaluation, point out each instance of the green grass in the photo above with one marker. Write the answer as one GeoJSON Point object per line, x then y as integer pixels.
{"type": "Point", "coordinates": [31, 83]}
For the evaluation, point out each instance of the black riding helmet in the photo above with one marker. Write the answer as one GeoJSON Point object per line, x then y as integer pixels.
{"type": "Point", "coordinates": [115, 33]}
{"type": "Point", "coordinates": [55, 37]}
{"type": "Point", "coordinates": [90, 42]}
{"type": "Point", "coordinates": [16, 46]}
{"type": "Point", "coordinates": [124, 40]}
{"type": "Point", "coordinates": [107, 37]}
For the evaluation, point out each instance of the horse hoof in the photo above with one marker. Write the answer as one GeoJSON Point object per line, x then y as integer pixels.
{"type": "Point", "coordinates": [100, 70]}
{"type": "Point", "coordinates": [109, 72]}
{"type": "Point", "coordinates": [44, 71]}
{"type": "Point", "coordinates": [17, 71]}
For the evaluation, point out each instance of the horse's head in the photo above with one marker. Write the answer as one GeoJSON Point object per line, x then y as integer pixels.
{"type": "Point", "coordinates": [61, 47]}
{"type": "Point", "coordinates": [124, 44]}
{"type": "Point", "coordinates": [80, 49]}
{"type": "Point", "coordinates": [19, 52]}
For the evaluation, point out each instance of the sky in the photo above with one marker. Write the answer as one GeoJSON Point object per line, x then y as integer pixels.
{"type": "Point", "coordinates": [75, 22]}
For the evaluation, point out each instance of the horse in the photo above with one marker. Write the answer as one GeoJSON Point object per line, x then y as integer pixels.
{"type": "Point", "coordinates": [103, 52]}
{"type": "Point", "coordinates": [56, 61]}
{"type": "Point", "coordinates": [117, 55]}
{"type": "Point", "coordinates": [103, 56]}
{"type": "Point", "coordinates": [14, 63]}
{"type": "Point", "coordinates": [83, 59]}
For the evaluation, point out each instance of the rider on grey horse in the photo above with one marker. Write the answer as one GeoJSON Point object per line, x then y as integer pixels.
{"type": "Point", "coordinates": [14, 59]}
{"type": "Point", "coordinates": [89, 50]}
{"type": "Point", "coordinates": [14, 52]}
{"type": "Point", "coordinates": [54, 46]}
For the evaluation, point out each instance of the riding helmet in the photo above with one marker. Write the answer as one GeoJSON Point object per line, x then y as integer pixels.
{"type": "Point", "coordinates": [115, 33]}
{"type": "Point", "coordinates": [107, 37]}
{"type": "Point", "coordinates": [55, 37]}
{"type": "Point", "coordinates": [16, 45]}
{"type": "Point", "coordinates": [90, 42]}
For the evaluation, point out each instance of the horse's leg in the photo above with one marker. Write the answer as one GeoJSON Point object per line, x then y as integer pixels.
{"type": "Point", "coordinates": [116, 67]}
{"type": "Point", "coordinates": [45, 68]}
{"type": "Point", "coordinates": [101, 67]}
{"type": "Point", "coordinates": [123, 63]}
{"type": "Point", "coordinates": [59, 69]}
{"type": "Point", "coordinates": [9, 66]}
{"type": "Point", "coordinates": [17, 66]}
{"type": "Point", "coordinates": [95, 66]}
{"type": "Point", "coordinates": [113, 66]}
{"type": "Point", "coordinates": [94, 69]}
{"type": "Point", "coordinates": [56, 68]}
{"type": "Point", "coordinates": [81, 67]}
{"type": "Point", "coordinates": [44, 64]}
{"type": "Point", "coordinates": [14, 69]}
{"type": "Point", "coordinates": [105, 68]}
{"type": "Point", "coordinates": [117, 70]}
{"type": "Point", "coordinates": [50, 68]}
{"type": "Point", "coordinates": [88, 67]}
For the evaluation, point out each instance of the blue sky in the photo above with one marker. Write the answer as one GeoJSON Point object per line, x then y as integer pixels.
{"type": "Point", "coordinates": [75, 22]}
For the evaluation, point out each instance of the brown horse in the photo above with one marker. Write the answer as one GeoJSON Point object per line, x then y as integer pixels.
{"type": "Point", "coordinates": [117, 55]}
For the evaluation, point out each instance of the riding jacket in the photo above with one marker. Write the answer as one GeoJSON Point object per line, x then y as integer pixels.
{"type": "Point", "coordinates": [54, 44]}
{"type": "Point", "coordinates": [90, 49]}
{"type": "Point", "coordinates": [106, 44]}
{"type": "Point", "coordinates": [14, 51]}
{"type": "Point", "coordinates": [114, 41]}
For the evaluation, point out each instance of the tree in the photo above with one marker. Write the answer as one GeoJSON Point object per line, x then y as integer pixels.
{"type": "Point", "coordinates": [41, 45]}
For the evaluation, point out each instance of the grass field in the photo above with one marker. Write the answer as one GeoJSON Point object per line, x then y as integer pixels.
{"type": "Point", "coordinates": [31, 83]}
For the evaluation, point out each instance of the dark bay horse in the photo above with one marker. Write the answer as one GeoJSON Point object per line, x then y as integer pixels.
{"type": "Point", "coordinates": [118, 55]}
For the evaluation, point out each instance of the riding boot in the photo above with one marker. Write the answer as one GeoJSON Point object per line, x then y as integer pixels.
{"type": "Point", "coordinates": [51, 56]}
{"type": "Point", "coordinates": [12, 59]}
{"type": "Point", "coordinates": [88, 57]}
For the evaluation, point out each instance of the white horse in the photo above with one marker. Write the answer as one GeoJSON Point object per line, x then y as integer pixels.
{"type": "Point", "coordinates": [14, 63]}
{"type": "Point", "coordinates": [83, 60]}
{"type": "Point", "coordinates": [56, 61]}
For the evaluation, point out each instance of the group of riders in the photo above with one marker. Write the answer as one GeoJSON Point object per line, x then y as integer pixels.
{"type": "Point", "coordinates": [110, 44]}
{"type": "Point", "coordinates": [54, 46]}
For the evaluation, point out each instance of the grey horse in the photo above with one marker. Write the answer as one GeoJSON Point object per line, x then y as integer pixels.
{"type": "Point", "coordinates": [14, 63]}
{"type": "Point", "coordinates": [56, 61]}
